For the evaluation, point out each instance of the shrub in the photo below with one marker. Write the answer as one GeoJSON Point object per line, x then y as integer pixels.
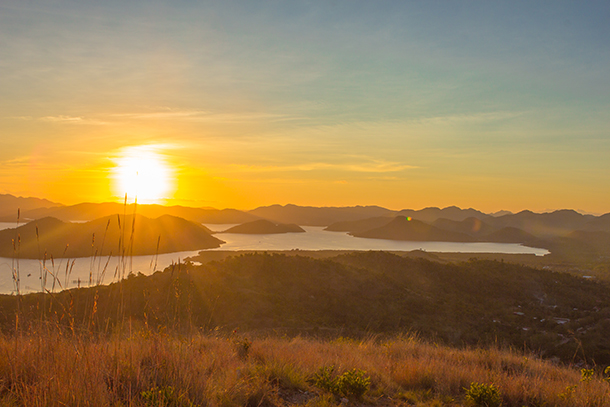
{"type": "Point", "coordinates": [323, 379]}
{"type": "Point", "coordinates": [586, 375]}
{"type": "Point", "coordinates": [351, 383]}
{"type": "Point", "coordinates": [483, 395]}
{"type": "Point", "coordinates": [165, 396]}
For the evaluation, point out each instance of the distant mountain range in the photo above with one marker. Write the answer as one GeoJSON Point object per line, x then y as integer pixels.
{"type": "Point", "coordinates": [562, 230]}
{"type": "Point", "coordinates": [91, 211]}
{"type": "Point", "coordinates": [10, 205]}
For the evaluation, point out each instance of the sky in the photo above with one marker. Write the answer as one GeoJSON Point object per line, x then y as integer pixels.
{"type": "Point", "coordinates": [402, 104]}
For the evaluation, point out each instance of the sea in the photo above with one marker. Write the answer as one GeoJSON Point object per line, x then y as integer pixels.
{"type": "Point", "coordinates": [34, 276]}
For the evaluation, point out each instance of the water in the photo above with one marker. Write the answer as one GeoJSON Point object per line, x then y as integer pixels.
{"type": "Point", "coordinates": [69, 275]}
{"type": "Point", "coordinates": [315, 238]}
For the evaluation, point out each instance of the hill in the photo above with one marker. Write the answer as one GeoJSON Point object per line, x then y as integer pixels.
{"type": "Point", "coordinates": [314, 216]}
{"type": "Point", "coordinates": [91, 211]}
{"type": "Point", "coordinates": [264, 227]}
{"type": "Point", "coordinates": [116, 235]}
{"type": "Point", "coordinates": [9, 205]}
{"type": "Point", "coordinates": [362, 225]}
{"type": "Point", "coordinates": [510, 235]}
{"type": "Point", "coordinates": [471, 226]}
{"type": "Point", "coordinates": [601, 223]}
{"type": "Point", "coordinates": [402, 228]}
{"type": "Point", "coordinates": [472, 303]}
{"type": "Point", "coordinates": [557, 223]}
{"type": "Point", "coordinates": [451, 212]}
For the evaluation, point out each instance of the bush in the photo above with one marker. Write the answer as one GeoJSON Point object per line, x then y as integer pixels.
{"type": "Point", "coordinates": [351, 383]}
{"type": "Point", "coordinates": [484, 395]}
{"type": "Point", "coordinates": [323, 379]}
{"type": "Point", "coordinates": [165, 396]}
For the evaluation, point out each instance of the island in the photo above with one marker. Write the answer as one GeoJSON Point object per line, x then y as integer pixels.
{"type": "Point", "coordinates": [264, 227]}
{"type": "Point", "coordinates": [116, 235]}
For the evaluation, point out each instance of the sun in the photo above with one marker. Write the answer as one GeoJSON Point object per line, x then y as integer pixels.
{"type": "Point", "coordinates": [143, 174]}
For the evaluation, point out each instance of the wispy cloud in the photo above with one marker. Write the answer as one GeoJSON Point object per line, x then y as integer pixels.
{"type": "Point", "coordinates": [376, 166]}
{"type": "Point", "coordinates": [475, 118]}
{"type": "Point", "coordinates": [64, 119]}
{"type": "Point", "coordinates": [205, 116]}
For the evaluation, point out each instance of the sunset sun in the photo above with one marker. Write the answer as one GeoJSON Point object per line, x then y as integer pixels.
{"type": "Point", "coordinates": [143, 174]}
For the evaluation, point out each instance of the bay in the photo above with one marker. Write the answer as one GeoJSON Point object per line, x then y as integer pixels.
{"type": "Point", "coordinates": [86, 271]}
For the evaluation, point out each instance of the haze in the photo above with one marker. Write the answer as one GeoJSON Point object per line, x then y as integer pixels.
{"type": "Point", "coordinates": [492, 105]}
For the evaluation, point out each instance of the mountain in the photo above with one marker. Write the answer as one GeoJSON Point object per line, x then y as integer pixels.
{"type": "Point", "coordinates": [598, 240]}
{"type": "Point", "coordinates": [312, 216]}
{"type": "Point", "coordinates": [451, 212]}
{"type": "Point", "coordinates": [509, 235]}
{"type": "Point", "coordinates": [116, 235]}
{"type": "Point", "coordinates": [500, 213]}
{"type": "Point", "coordinates": [471, 226]}
{"type": "Point", "coordinates": [90, 211]}
{"type": "Point", "coordinates": [362, 225]}
{"type": "Point", "coordinates": [264, 227]}
{"type": "Point", "coordinates": [601, 223]}
{"type": "Point", "coordinates": [9, 205]}
{"type": "Point", "coordinates": [402, 228]}
{"type": "Point", "coordinates": [555, 223]}
{"type": "Point", "coordinates": [325, 216]}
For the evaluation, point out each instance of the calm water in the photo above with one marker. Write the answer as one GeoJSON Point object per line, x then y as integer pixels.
{"type": "Point", "coordinates": [315, 238]}
{"type": "Point", "coordinates": [318, 239]}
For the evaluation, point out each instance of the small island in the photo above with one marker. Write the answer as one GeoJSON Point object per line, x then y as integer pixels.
{"type": "Point", "coordinates": [264, 227]}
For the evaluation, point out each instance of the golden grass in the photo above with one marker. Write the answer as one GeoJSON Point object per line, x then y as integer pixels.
{"type": "Point", "coordinates": [53, 369]}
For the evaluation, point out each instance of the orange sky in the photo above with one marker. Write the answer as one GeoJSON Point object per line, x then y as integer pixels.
{"type": "Point", "coordinates": [402, 105]}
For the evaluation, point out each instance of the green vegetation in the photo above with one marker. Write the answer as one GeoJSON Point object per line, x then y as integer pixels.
{"type": "Point", "coordinates": [474, 303]}
{"type": "Point", "coordinates": [483, 395]}
{"type": "Point", "coordinates": [363, 328]}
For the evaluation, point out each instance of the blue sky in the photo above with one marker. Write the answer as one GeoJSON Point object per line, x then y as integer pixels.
{"type": "Point", "coordinates": [402, 104]}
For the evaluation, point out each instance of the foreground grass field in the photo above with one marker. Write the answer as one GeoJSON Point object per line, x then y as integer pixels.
{"type": "Point", "coordinates": [57, 369]}
{"type": "Point", "coordinates": [274, 330]}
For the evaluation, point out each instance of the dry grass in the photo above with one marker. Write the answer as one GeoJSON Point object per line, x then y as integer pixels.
{"type": "Point", "coordinates": [160, 370]}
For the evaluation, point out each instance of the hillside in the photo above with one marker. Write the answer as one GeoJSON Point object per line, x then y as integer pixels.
{"type": "Point", "coordinates": [362, 225]}
{"type": "Point", "coordinates": [315, 216]}
{"type": "Point", "coordinates": [557, 223]}
{"type": "Point", "coordinates": [471, 226]}
{"type": "Point", "coordinates": [159, 368]}
{"type": "Point", "coordinates": [451, 212]}
{"type": "Point", "coordinates": [115, 235]}
{"type": "Point", "coordinates": [402, 228]}
{"type": "Point", "coordinates": [264, 227]}
{"type": "Point", "coordinates": [472, 303]}
{"type": "Point", "coordinates": [510, 234]}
